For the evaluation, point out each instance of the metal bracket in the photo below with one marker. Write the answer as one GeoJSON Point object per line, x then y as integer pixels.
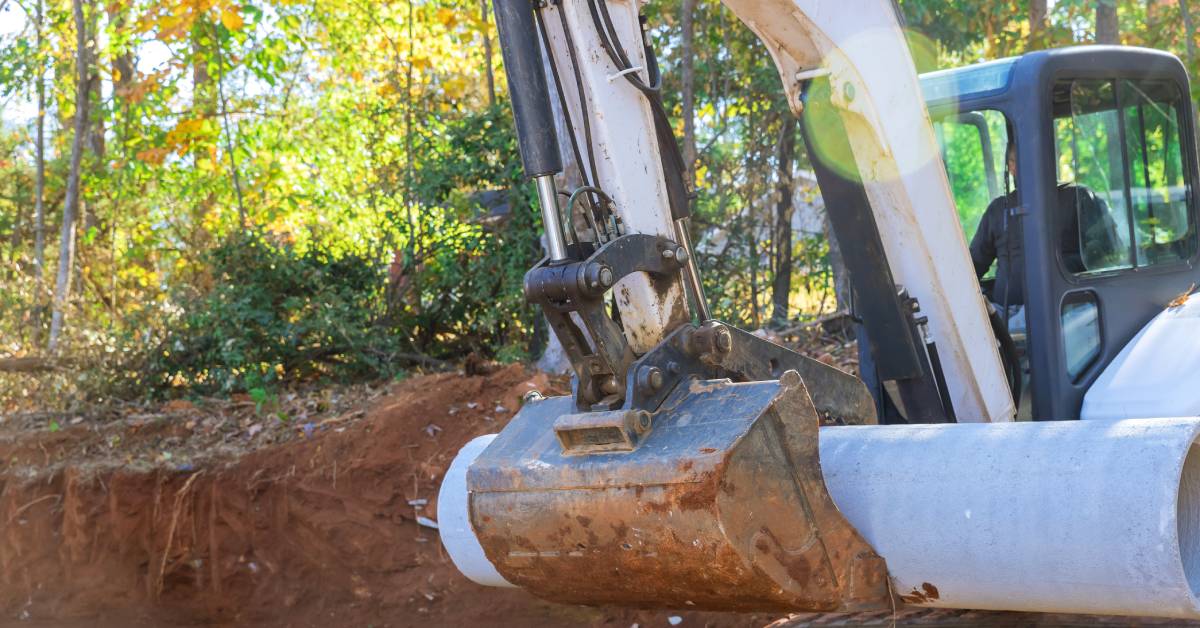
{"type": "Point", "coordinates": [601, 356]}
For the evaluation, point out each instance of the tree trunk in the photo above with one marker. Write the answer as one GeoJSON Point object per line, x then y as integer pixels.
{"type": "Point", "coordinates": [687, 77]}
{"type": "Point", "coordinates": [487, 53]}
{"type": "Point", "coordinates": [87, 217]}
{"type": "Point", "coordinates": [837, 265]}
{"type": "Point", "coordinates": [1189, 33]}
{"type": "Point", "coordinates": [229, 145]}
{"type": "Point", "coordinates": [781, 285]}
{"type": "Point", "coordinates": [123, 65]}
{"type": "Point", "coordinates": [39, 201]}
{"type": "Point", "coordinates": [66, 250]}
{"type": "Point", "coordinates": [1107, 31]}
{"type": "Point", "coordinates": [1037, 24]}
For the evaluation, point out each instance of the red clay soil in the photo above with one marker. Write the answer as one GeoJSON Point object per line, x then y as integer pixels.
{"type": "Point", "coordinates": [318, 530]}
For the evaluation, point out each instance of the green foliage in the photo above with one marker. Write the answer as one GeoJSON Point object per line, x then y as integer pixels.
{"type": "Point", "coordinates": [291, 190]}
{"type": "Point", "coordinates": [274, 312]}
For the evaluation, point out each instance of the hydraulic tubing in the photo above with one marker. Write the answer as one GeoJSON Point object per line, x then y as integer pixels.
{"type": "Point", "coordinates": [534, 118]}
{"type": "Point", "coordinates": [527, 88]}
{"type": "Point", "coordinates": [548, 200]}
{"type": "Point", "coordinates": [691, 271]}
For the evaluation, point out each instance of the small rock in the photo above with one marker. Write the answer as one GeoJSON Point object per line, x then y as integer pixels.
{"type": "Point", "coordinates": [674, 620]}
{"type": "Point", "coordinates": [472, 405]}
{"type": "Point", "coordinates": [432, 429]}
{"type": "Point", "coordinates": [254, 429]}
{"type": "Point", "coordinates": [427, 522]}
{"type": "Point", "coordinates": [417, 503]}
{"type": "Point", "coordinates": [501, 409]}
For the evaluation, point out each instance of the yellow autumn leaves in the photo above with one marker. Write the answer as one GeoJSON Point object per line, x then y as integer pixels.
{"type": "Point", "coordinates": [172, 21]}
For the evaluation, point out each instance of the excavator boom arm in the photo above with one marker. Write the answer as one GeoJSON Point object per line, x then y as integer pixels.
{"type": "Point", "coordinates": [860, 50]}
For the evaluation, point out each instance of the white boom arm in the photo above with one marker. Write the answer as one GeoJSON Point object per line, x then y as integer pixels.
{"type": "Point", "coordinates": [862, 48]}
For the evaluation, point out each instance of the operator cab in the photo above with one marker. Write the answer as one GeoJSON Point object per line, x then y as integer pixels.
{"type": "Point", "coordinates": [1101, 214]}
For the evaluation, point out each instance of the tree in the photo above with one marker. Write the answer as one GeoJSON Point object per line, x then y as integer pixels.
{"type": "Point", "coordinates": [687, 80]}
{"type": "Point", "coordinates": [1189, 33]}
{"type": "Point", "coordinates": [1107, 30]}
{"type": "Point", "coordinates": [781, 285]}
{"type": "Point", "coordinates": [66, 251]}
{"type": "Point", "coordinates": [487, 53]}
{"type": "Point", "coordinates": [39, 228]}
{"type": "Point", "coordinates": [1037, 23]}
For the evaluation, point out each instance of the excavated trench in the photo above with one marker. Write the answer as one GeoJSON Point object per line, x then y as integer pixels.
{"type": "Point", "coordinates": [318, 530]}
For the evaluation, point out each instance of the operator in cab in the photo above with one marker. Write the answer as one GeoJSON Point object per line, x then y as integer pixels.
{"type": "Point", "coordinates": [999, 239]}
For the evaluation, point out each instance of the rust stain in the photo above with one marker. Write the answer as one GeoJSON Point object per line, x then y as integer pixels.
{"type": "Point", "coordinates": [707, 450]}
{"type": "Point", "coordinates": [700, 495]}
{"type": "Point", "coordinates": [686, 465]}
{"type": "Point", "coordinates": [584, 521]}
{"type": "Point", "coordinates": [1182, 299]}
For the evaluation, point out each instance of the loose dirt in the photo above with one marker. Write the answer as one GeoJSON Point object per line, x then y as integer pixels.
{"type": "Point", "coordinates": [249, 514]}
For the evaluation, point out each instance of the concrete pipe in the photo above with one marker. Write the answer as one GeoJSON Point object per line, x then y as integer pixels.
{"type": "Point", "coordinates": [1075, 516]}
{"type": "Point", "coordinates": [1069, 516]}
{"type": "Point", "coordinates": [454, 518]}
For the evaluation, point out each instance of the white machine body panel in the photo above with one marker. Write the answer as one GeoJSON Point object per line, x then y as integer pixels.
{"type": "Point", "coordinates": [1156, 375]}
{"type": "Point", "coordinates": [628, 166]}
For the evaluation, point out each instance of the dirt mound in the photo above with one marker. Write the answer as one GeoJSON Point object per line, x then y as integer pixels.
{"type": "Point", "coordinates": [319, 529]}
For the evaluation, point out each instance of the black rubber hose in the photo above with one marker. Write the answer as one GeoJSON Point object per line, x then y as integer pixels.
{"type": "Point", "coordinates": [527, 87]}
{"type": "Point", "coordinates": [1008, 353]}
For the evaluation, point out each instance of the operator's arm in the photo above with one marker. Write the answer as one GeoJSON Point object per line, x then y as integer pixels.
{"type": "Point", "coordinates": [983, 245]}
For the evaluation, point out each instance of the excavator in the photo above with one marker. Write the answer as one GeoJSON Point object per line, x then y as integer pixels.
{"type": "Point", "coordinates": [1044, 465]}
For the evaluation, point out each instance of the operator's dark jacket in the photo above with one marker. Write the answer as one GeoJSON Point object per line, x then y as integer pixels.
{"type": "Point", "coordinates": [992, 242]}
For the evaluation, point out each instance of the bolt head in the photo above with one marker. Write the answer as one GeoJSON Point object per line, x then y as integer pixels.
{"type": "Point", "coordinates": [668, 254]}
{"type": "Point", "coordinates": [723, 340]}
{"type": "Point", "coordinates": [606, 277]}
{"type": "Point", "coordinates": [642, 422]}
{"type": "Point", "coordinates": [654, 377]}
{"type": "Point", "coordinates": [681, 255]}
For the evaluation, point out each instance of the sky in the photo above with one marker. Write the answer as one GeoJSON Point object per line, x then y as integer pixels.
{"type": "Point", "coordinates": [19, 108]}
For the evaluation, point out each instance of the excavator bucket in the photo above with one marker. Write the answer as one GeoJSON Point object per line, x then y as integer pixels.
{"type": "Point", "coordinates": [715, 501]}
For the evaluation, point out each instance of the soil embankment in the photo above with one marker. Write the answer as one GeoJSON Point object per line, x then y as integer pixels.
{"type": "Point", "coordinates": [193, 517]}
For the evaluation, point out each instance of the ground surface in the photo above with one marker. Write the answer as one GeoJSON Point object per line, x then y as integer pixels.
{"type": "Point", "coordinates": [297, 511]}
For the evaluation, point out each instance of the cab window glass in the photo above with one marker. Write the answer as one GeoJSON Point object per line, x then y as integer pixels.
{"type": "Point", "coordinates": [1158, 187]}
{"type": "Point", "coordinates": [1081, 332]}
{"type": "Point", "coordinates": [1122, 198]}
{"type": "Point", "coordinates": [972, 146]}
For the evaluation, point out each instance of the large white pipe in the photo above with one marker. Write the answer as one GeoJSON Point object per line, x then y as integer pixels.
{"type": "Point", "coordinates": [1072, 516]}
{"type": "Point", "coordinates": [454, 518]}
{"type": "Point", "coordinates": [1067, 516]}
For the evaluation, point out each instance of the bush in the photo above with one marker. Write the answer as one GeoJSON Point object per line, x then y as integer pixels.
{"type": "Point", "coordinates": [275, 313]}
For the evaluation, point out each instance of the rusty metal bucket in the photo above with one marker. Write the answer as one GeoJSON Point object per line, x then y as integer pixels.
{"type": "Point", "coordinates": [716, 501]}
